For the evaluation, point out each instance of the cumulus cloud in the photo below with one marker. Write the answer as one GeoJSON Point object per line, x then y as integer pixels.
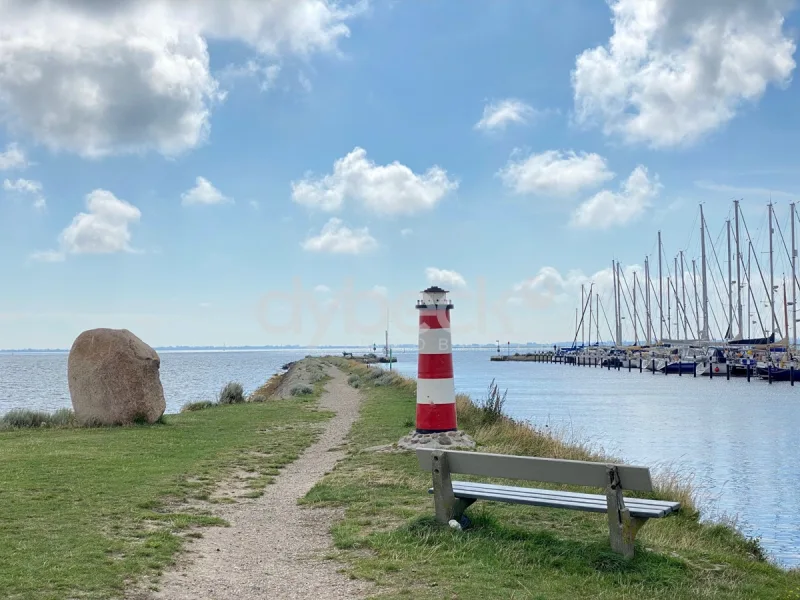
{"type": "Point", "coordinates": [203, 193]}
{"type": "Point", "coordinates": [12, 158]}
{"type": "Point", "coordinates": [265, 74]}
{"type": "Point", "coordinates": [445, 277]}
{"type": "Point", "coordinates": [607, 209]}
{"type": "Point", "coordinates": [555, 173]}
{"type": "Point", "coordinates": [406, 232]}
{"type": "Point", "coordinates": [674, 70]}
{"type": "Point", "coordinates": [499, 114]}
{"type": "Point", "coordinates": [322, 289]}
{"type": "Point", "coordinates": [391, 189]}
{"type": "Point", "coordinates": [29, 188]}
{"type": "Point", "coordinates": [549, 286]}
{"type": "Point", "coordinates": [99, 78]}
{"type": "Point", "coordinates": [103, 229]}
{"type": "Point", "coordinates": [336, 238]}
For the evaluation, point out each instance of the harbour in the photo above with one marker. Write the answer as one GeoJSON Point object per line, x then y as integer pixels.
{"type": "Point", "coordinates": [721, 319]}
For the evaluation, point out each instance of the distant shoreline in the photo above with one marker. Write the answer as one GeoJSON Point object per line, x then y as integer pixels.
{"type": "Point", "coordinates": [284, 348]}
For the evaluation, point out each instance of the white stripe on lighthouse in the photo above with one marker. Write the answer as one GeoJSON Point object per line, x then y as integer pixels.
{"type": "Point", "coordinates": [435, 341]}
{"type": "Point", "coordinates": [436, 391]}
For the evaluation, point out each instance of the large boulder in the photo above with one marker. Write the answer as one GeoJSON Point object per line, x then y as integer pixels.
{"type": "Point", "coordinates": [114, 379]}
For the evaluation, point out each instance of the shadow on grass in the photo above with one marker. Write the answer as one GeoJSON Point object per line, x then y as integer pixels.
{"type": "Point", "coordinates": [513, 547]}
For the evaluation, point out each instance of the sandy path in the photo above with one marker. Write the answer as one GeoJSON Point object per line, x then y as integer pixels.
{"type": "Point", "coordinates": [273, 548]}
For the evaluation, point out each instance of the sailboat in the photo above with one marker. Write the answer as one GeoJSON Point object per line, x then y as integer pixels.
{"type": "Point", "coordinates": [387, 350]}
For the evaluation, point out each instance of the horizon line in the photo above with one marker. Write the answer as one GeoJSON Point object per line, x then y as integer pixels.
{"type": "Point", "coordinates": [300, 347]}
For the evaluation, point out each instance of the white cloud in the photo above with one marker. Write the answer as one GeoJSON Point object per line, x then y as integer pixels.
{"type": "Point", "coordinates": [406, 232]}
{"type": "Point", "coordinates": [254, 204]}
{"type": "Point", "coordinates": [549, 286]}
{"type": "Point", "coordinates": [322, 289]}
{"type": "Point", "coordinates": [380, 290]}
{"type": "Point", "coordinates": [555, 173]}
{"type": "Point", "coordinates": [387, 189]}
{"type": "Point", "coordinates": [27, 187]}
{"type": "Point", "coordinates": [99, 78]}
{"type": "Point", "coordinates": [499, 114]}
{"type": "Point", "coordinates": [104, 229]}
{"type": "Point", "coordinates": [203, 193]}
{"type": "Point", "coordinates": [336, 238]}
{"type": "Point", "coordinates": [12, 158]}
{"type": "Point", "coordinates": [674, 70]}
{"type": "Point", "coordinates": [205, 305]}
{"type": "Point", "coordinates": [607, 209]}
{"type": "Point", "coordinates": [445, 277]}
{"type": "Point", "coordinates": [265, 74]}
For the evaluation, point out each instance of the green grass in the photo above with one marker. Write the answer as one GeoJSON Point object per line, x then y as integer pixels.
{"type": "Point", "coordinates": [388, 534]}
{"type": "Point", "coordinates": [86, 511]}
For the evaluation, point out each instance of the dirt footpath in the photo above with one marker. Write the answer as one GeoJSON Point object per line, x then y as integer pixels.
{"type": "Point", "coordinates": [274, 548]}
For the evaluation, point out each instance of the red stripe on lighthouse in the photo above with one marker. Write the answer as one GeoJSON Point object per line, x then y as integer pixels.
{"type": "Point", "coordinates": [435, 366]}
{"type": "Point", "coordinates": [436, 417]}
{"type": "Point", "coordinates": [434, 319]}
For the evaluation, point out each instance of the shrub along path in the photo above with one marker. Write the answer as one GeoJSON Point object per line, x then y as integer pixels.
{"type": "Point", "coordinates": [273, 547]}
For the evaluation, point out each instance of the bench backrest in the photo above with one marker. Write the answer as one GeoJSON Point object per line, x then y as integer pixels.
{"type": "Point", "coordinates": [549, 470]}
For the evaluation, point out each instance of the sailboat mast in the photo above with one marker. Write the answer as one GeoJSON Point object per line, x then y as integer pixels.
{"type": "Point", "coordinates": [750, 291]}
{"type": "Point", "coordinates": [704, 274]}
{"type": "Point", "coordinates": [730, 283]}
{"type": "Point", "coordinates": [660, 289]}
{"type": "Point", "coordinates": [619, 308]}
{"type": "Point", "coordinates": [785, 309]}
{"type": "Point", "coordinates": [616, 309]}
{"type": "Point", "coordinates": [669, 309]}
{"type": "Point", "coordinates": [738, 270]}
{"type": "Point", "coordinates": [590, 315]}
{"type": "Point", "coordinates": [635, 314]}
{"type": "Point", "coordinates": [794, 280]}
{"type": "Point", "coordinates": [696, 301]}
{"type": "Point", "coordinates": [677, 303]}
{"type": "Point", "coordinates": [583, 307]}
{"type": "Point", "coordinates": [683, 299]}
{"type": "Point", "coordinates": [649, 319]}
{"type": "Point", "coordinates": [773, 319]}
{"type": "Point", "coordinates": [597, 318]}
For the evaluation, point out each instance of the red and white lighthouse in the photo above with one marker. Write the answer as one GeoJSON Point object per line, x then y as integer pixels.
{"type": "Point", "coordinates": [436, 394]}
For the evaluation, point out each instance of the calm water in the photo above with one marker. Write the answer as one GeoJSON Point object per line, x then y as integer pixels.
{"type": "Point", "coordinates": [738, 440]}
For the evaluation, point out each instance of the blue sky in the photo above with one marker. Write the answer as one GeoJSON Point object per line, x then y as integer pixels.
{"type": "Point", "coordinates": [282, 172]}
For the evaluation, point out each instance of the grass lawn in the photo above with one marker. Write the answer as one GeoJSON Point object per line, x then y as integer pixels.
{"type": "Point", "coordinates": [388, 534]}
{"type": "Point", "coordinates": [84, 512]}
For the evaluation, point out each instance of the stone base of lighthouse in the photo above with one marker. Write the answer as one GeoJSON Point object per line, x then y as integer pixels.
{"type": "Point", "coordinates": [444, 440]}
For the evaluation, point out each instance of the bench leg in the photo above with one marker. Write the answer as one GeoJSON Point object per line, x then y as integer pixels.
{"type": "Point", "coordinates": [443, 499]}
{"type": "Point", "coordinates": [622, 527]}
{"type": "Point", "coordinates": [461, 504]}
{"type": "Point", "coordinates": [623, 533]}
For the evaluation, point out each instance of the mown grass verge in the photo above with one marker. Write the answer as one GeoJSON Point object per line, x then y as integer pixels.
{"type": "Point", "coordinates": [88, 511]}
{"type": "Point", "coordinates": [388, 534]}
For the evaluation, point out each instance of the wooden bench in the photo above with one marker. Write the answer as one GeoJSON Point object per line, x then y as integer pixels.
{"type": "Point", "coordinates": [625, 515]}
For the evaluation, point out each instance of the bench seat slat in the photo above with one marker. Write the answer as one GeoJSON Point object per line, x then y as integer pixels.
{"type": "Point", "coordinates": [567, 500]}
{"type": "Point", "coordinates": [522, 493]}
{"type": "Point", "coordinates": [644, 502]}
